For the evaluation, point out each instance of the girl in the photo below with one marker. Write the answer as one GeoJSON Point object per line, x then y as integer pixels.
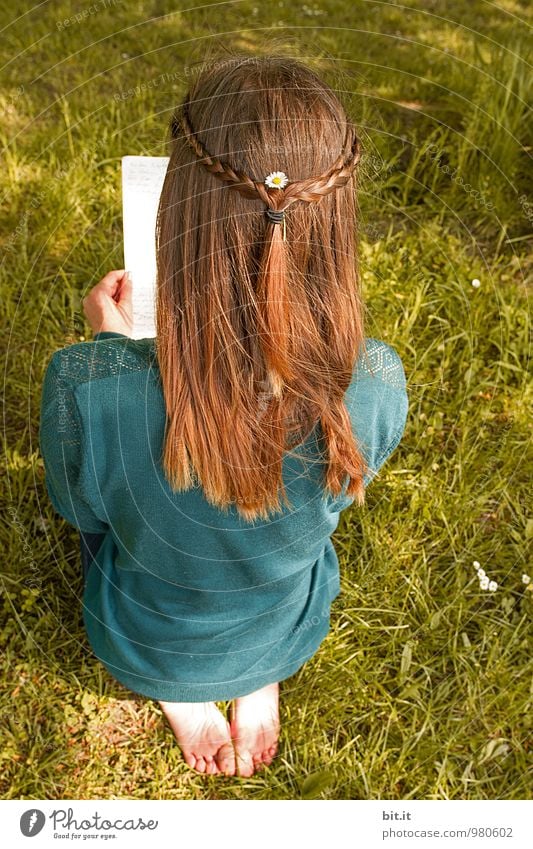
{"type": "Point", "coordinates": [206, 468]}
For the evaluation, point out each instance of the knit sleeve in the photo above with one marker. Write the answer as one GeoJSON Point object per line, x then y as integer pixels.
{"type": "Point", "coordinates": [377, 403]}
{"type": "Point", "coordinates": [61, 445]}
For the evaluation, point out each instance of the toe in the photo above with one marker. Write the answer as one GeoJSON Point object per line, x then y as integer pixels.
{"type": "Point", "coordinates": [268, 755]}
{"type": "Point", "coordinates": [211, 767]}
{"type": "Point", "coordinates": [225, 759]}
{"type": "Point", "coordinates": [189, 759]}
{"type": "Point", "coordinates": [245, 765]}
{"type": "Point", "coordinates": [200, 764]}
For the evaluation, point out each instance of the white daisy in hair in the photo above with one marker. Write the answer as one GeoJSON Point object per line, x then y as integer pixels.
{"type": "Point", "coordinates": [276, 180]}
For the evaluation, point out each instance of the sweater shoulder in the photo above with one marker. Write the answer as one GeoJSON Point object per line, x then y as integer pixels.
{"type": "Point", "coordinates": [96, 360]}
{"type": "Point", "coordinates": [380, 361]}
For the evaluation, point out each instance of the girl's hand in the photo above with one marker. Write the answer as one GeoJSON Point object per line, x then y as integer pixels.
{"type": "Point", "coordinates": [108, 306]}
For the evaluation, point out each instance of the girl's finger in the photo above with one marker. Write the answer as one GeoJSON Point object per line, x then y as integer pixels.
{"type": "Point", "coordinates": [123, 293]}
{"type": "Point", "coordinates": [109, 283]}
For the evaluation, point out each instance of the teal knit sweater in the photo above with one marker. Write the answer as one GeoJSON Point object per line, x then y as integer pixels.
{"type": "Point", "coordinates": [186, 602]}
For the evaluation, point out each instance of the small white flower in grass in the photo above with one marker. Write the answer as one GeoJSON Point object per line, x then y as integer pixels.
{"type": "Point", "coordinates": [481, 573]}
{"type": "Point", "coordinates": [493, 586]}
{"type": "Point", "coordinates": [476, 564]}
{"type": "Point", "coordinates": [476, 283]}
{"type": "Point", "coordinates": [276, 180]}
{"type": "Point", "coordinates": [484, 583]}
{"type": "Point", "coordinates": [525, 579]}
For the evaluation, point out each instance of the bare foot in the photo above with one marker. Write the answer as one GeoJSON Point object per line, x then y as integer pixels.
{"type": "Point", "coordinates": [203, 736]}
{"type": "Point", "coordinates": [254, 725]}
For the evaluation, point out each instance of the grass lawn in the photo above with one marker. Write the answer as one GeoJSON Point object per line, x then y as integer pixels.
{"type": "Point", "coordinates": [422, 689]}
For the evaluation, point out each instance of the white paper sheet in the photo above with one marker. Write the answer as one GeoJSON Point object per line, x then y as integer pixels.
{"type": "Point", "coordinates": [142, 181]}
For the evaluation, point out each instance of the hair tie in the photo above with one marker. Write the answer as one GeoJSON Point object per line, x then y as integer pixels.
{"type": "Point", "coordinates": [276, 180]}
{"type": "Point", "coordinates": [275, 215]}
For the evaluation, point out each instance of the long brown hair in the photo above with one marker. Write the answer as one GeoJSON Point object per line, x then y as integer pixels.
{"type": "Point", "coordinates": [257, 336]}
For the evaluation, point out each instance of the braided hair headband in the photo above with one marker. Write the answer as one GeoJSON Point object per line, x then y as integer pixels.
{"type": "Point", "coordinates": [338, 175]}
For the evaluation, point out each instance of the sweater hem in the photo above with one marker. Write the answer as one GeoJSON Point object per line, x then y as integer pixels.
{"type": "Point", "coordinates": [213, 692]}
